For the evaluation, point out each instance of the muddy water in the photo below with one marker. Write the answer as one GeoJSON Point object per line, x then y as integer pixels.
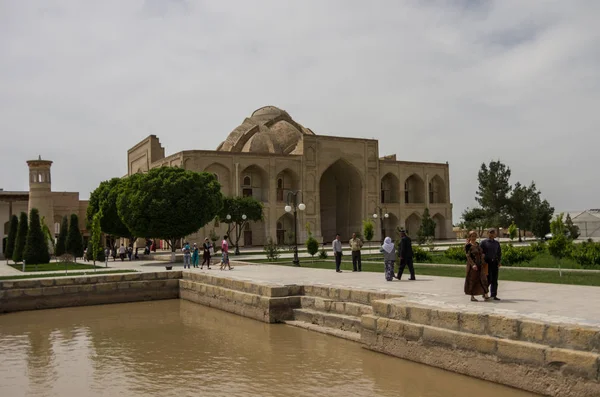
{"type": "Point", "coordinates": [177, 348]}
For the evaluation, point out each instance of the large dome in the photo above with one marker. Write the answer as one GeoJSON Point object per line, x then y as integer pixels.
{"type": "Point", "coordinates": [268, 130]}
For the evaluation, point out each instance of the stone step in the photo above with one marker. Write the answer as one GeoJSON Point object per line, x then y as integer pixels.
{"type": "Point", "coordinates": [329, 320]}
{"type": "Point", "coordinates": [333, 306]}
{"type": "Point", "coordinates": [353, 336]}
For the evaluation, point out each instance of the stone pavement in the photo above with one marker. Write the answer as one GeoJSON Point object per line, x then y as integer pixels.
{"type": "Point", "coordinates": [545, 302]}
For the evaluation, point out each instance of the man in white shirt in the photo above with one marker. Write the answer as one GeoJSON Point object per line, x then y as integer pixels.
{"type": "Point", "coordinates": [337, 252]}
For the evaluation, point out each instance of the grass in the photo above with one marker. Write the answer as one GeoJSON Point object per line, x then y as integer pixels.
{"type": "Point", "coordinates": [54, 266]}
{"type": "Point", "coordinates": [506, 273]}
{"type": "Point", "coordinates": [26, 276]}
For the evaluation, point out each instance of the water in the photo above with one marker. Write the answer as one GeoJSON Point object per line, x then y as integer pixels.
{"type": "Point", "coordinates": [178, 348]}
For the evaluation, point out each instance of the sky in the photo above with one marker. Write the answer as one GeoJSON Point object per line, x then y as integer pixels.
{"type": "Point", "coordinates": [462, 81]}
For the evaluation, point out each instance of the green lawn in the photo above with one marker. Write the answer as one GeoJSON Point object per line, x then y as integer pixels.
{"type": "Point", "coordinates": [25, 276]}
{"type": "Point", "coordinates": [506, 273]}
{"type": "Point", "coordinates": [55, 266]}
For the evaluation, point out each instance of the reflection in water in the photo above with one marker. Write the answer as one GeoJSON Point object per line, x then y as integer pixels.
{"type": "Point", "coordinates": [178, 348]}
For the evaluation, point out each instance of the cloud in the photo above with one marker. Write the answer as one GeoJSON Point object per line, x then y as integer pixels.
{"type": "Point", "coordinates": [458, 81]}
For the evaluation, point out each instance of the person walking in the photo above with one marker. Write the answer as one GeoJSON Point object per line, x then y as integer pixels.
{"type": "Point", "coordinates": [476, 279]}
{"type": "Point", "coordinates": [405, 253]}
{"type": "Point", "coordinates": [195, 255]}
{"type": "Point", "coordinates": [492, 255]}
{"type": "Point", "coordinates": [206, 246]}
{"type": "Point", "coordinates": [106, 255]}
{"type": "Point", "coordinates": [337, 253]}
{"type": "Point", "coordinates": [225, 254]}
{"type": "Point", "coordinates": [122, 252]}
{"type": "Point", "coordinates": [355, 245]}
{"type": "Point", "coordinates": [389, 257]}
{"type": "Point", "coordinates": [187, 255]}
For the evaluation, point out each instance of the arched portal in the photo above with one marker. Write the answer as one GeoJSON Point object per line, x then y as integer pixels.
{"type": "Point", "coordinates": [414, 190]}
{"type": "Point", "coordinates": [412, 224]}
{"type": "Point", "coordinates": [390, 188]}
{"type": "Point", "coordinates": [223, 176]}
{"type": "Point", "coordinates": [287, 180]}
{"type": "Point", "coordinates": [254, 182]}
{"type": "Point", "coordinates": [285, 229]}
{"type": "Point", "coordinates": [437, 190]}
{"type": "Point", "coordinates": [440, 226]}
{"type": "Point", "coordinates": [341, 198]}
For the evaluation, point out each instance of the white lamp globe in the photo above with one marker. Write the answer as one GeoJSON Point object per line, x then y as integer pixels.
{"type": "Point", "coordinates": [387, 215]}
{"type": "Point", "coordinates": [288, 208]}
{"type": "Point", "coordinates": [374, 216]}
{"type": "Point", "coordinates": [301, 206]}
{"type": "Point", "coordinates": [228, 217]}
{"type": "Point", "coordinates": [244, 216]}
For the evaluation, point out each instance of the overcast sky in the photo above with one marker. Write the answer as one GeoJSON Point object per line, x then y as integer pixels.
{"type": "Point", "coordinates": [462, 81]}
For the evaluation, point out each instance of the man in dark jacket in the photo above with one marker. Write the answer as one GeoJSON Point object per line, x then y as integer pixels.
{"type": "Point", "coordinates": [405, 254]}
{"type": "Point", "coordinates": [492, 254]}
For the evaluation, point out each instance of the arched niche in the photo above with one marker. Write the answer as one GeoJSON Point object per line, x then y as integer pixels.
{"type": "Point", "coordinates": [286, 181]}
{"type": "Point", "coordinates": [414, 190]}
{"type": "Point", "coordinates": [254, 181]}
{"type": "Point", "coordinates": [390, 189]}
{"type": "Point", "coordinates": [437, 190]}
{"type": "Point", "coordinates": [223, 175]}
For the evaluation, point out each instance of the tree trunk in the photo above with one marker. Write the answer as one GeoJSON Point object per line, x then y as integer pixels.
{"type": "Point", "coordinates": [172, 243]}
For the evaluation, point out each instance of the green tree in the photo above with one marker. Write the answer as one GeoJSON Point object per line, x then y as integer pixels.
{"type": "Point", "coordinates": [571, 228]}
{"type": "Point", "coordinates": [312, 245]}
{"type": "Point", "coordinates": [74, 242]}
{"type": "Point", "coordinates": [236, 208]}
{"type": "Point", "coordinates": [48, 234]}
{"type": "Point", "coordinates": [36, 245]}
{"type": "Point", "coordinates": [96, 238]}
{"type": "Point", "coordinates": [521, 205]}
{"type": "Point", "coordinates": [168, 203]}
{"type": "Point", "coordinates": [559, 245]}
{"type": "Point", "coordinates": [368, 230]}
{"type": "Point", "coordinates": [61, 242]}
{"type": "Point", "coordinates": [271, 249]}
{"type": "Point", "coordinates": [541, 216]}
{"type": "Point", "coordinates": [12, 237]}
{"type": "Point", "coordinates": [21, 238]}
{"type": "Point", "coordinates": [426, 231]}
{"type": "Point", "coordinates": [475, 219]}
{"type": "Point", "coordinates": [512, 231]}
{"type": "Point", "coordinates": [493, 194]}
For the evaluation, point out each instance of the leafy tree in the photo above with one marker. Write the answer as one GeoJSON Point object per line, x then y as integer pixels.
{"type": "Point", "coordinates": [168, 203]}
{"type": "Point", "coordinates": [571, 228]}
{"type": "Point", "coordinates": [36, 245]}
{"type": "Point", "coordinates": [95, 243]}
{"type": "Point", "coordinates": [271, 249]}
{"type": "Point", "coordinates": [21, 238]}
{"type": "Point", "coordinates": [61, 242]}
{"type": "Point", "coordinates": [522, 200]}
{"type": "Point", "coordinates": [540, 218]}
{"type": "Point", "coordinates": [475, 219]}
{"type": "Point", "coordinates": [559, 244]}
{"type": "Point", "coordinates": [47, 233]}
{"type": "Point", "coordinates": [74, 242]}
{"type": "Point", "coordinates": [312, 245]}
{"type": "Point", "coordinates": [493, 192]}
{"type": "Point", "coordinates": [512, 231]}
{"type": "Point", "coordinates": [236, 208]}
{"type": "Point", "coordinates": [427, 229]}
{"type": "Point", "coordinates": [12, 237]}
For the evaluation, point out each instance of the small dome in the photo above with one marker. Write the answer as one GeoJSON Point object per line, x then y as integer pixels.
{"type": "Point", "coordinates": [269, 111]}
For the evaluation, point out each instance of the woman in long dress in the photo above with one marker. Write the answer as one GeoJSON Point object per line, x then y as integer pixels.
{"type": "Point", "coordinates": [389, 257]}
{"type": "Point", "coordinates": [476, 278]}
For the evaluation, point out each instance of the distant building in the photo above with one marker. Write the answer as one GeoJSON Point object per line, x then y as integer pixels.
{"type": "Point", "coordinates": [588, 222]}
{"type": "Point", "coordinates": [51, 205]}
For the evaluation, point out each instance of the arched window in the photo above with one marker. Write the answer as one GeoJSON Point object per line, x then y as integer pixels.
{"type": "Point", "coordinates": [40, 177]}
{"type": "Point", "coordinates": [57, 228]}
{"type": "Point", "coordinates": [247, 181]}
{"type": "Point", "coordinates": [431, 200]}
{"type": "Point", "coordinates": [406, 192]}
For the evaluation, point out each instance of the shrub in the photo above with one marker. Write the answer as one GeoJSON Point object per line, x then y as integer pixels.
{"type": "Point", "coordinates": [74, 243]}
{"type": "Point", "coordinates": [512, 255]}
{"type": "Point", "coordinates": [539, 247]}
{"type": "Point", "coordinates": [456, 253]}
{"type": "Point", "coordinates": [312, 245]}
{"type": "Point", "coordinates": [323, 254]}
{"type": "Point", "coordinates": [586, 254]}
{"type": "Point", "coordinates": [12, 237]}
{"type": "Point", "coordinates": [36, 246]}
{"type": "Point", "coordinates": [271, 249]}
{"type": "Point", "coordinates": [420, 255]}
{"type": "Point", "coordinates": [88, 254]}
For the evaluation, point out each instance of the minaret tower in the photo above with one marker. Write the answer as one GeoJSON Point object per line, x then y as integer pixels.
{"type": "Point", "coordinates": [40, 192]}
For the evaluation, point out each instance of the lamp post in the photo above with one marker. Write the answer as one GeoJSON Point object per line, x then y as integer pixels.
{"type": "Point", "coordinates": [292, 204]}
{"type": "Point", "coordinates": [383, 214]}
{"type": "Point", "coordinates": [237, 248]}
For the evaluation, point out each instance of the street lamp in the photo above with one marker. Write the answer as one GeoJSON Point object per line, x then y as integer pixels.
{"type": "Point", "coordinates": [383, 214]}
{"type": "Point", "coordinates": [237, 248]}
{"type": "Point", "coordinates": [292, 204]}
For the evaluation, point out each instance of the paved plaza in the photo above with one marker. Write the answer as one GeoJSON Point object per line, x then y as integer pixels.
{"type": "Point", "coordinates": [545, 302]}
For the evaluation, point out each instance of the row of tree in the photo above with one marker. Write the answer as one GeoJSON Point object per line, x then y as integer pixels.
{"type": "Point", "coordinates": [168, 203]}
{"type": "Point", "coordinates": [501, 203]}
{"type": "Point", "coordinates": [70, 240]}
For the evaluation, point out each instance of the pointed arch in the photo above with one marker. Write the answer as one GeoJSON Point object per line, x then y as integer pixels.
{"type": "Point", "coordinates": [440, 226]}
{"type": "Point", "coordinates": [414, 190]}
{"type": "Point", "coordinates": [390, 189]}
{"type": "Point", "coordinates": [437, 190]}
{"type": "Point", "coordinates": [285, 228]}
{"type": "Point", "coordinates": [259, 182]}
{"type": "Point", "coordinates": [412, 224]}
{"type": "Point", "coordinates": [223, 176]}
{"type": "Point", "coordinates": [286, 180]}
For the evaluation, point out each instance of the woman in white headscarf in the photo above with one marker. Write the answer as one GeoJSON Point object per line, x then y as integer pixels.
{"type": "Point", "coordinates": [389, 257]}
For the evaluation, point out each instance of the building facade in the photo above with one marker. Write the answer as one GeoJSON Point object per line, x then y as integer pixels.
{"type": "Point", "coordinates": [342, 181]}
{"type": "Point", "coordinates": [52, 206]}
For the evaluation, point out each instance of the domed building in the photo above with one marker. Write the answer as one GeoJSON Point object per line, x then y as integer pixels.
{"type": "Point", "coordinates": [342, 181]}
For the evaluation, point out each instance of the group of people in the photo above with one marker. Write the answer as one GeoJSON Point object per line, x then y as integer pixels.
{"type": "Point", "coordinates": [483, 264]}
{"type": "Point", "coordinates": [404, 254]}
{"type": "Point", "coordinates": [191, 255]}
{"type": "Point", "coordinates": [483, 261]}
